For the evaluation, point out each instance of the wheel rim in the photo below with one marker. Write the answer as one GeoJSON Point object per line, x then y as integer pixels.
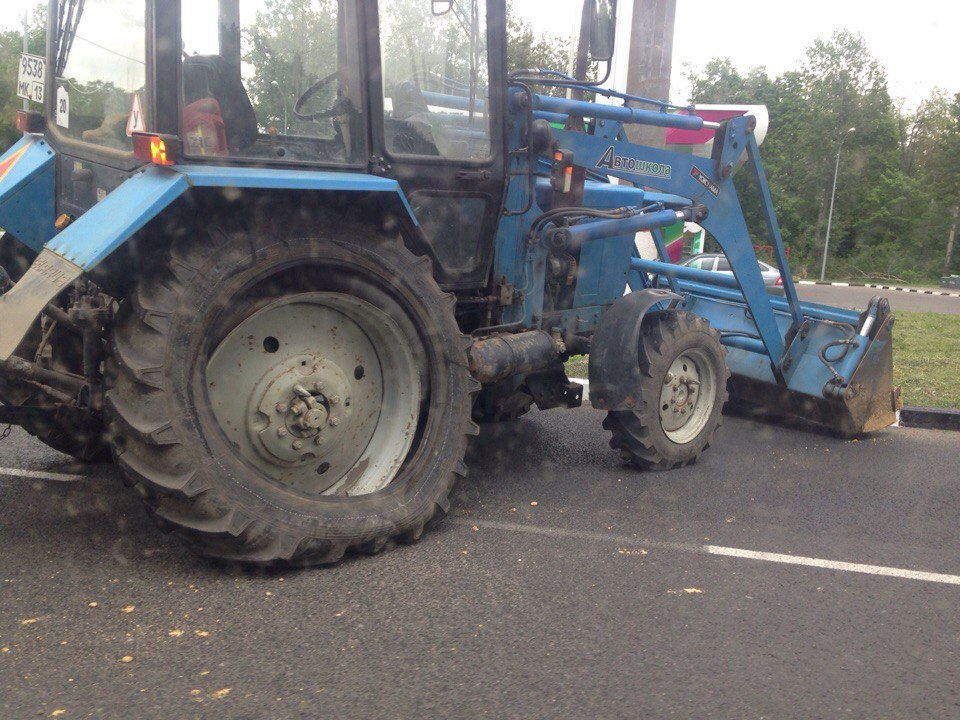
{"type": "Point", "coordinates": [687, 396]}
{"type": "Point", "coordinates": [319, 392]}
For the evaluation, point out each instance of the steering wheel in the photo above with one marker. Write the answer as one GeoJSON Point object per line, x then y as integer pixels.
{"type": "Point", "coordinates": [311, 92]}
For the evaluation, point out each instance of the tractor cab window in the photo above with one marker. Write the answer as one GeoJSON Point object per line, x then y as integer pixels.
{"type": "Point", "coordinates": [100, 67]}
{"type": "Point", "coordinates": [435, 78]}
{"type": "Point", "coordinates": [272, 80]}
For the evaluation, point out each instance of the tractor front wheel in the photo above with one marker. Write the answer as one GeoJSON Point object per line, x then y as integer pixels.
{"type": "Point", "coordinates": [290, 400]}
{"type": "Point", "coordinates": [682, 394]}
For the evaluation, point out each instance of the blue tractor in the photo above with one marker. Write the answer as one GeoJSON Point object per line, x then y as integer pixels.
{"type": "Point", "coordinates": [278, 258]}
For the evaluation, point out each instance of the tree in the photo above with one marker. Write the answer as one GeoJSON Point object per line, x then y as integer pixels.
{"type": "Point", "coordinates": [11, 46]}
{"type": "Point", "coordinates": [838, 86]}
{"type": "Point", "coordinates": [528, 50]}
{"type": "Point", "coordinates": [945, 176]}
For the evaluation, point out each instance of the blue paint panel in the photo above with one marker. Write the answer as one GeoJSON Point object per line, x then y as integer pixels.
{"type": "Point", "coordinates": [27, 192]}
{"type": "Point", "coordinates": [109, 223]}
{"type": "Point", "coordinates": [601, 196]}
{"type": "Point", "coordinates": [244, 177]}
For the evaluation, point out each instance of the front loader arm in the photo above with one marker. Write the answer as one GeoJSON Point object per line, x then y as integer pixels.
{"type": "Point", "coordinates": [825, 364]}
{"type": "Point", "coordinates": [699, 181]}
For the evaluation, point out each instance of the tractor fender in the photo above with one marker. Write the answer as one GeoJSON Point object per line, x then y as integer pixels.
{"type": "Point", "coordinates": [615, 349]}
{"type": "Point", "coordinates": [106, 226]}
{"type": "Point", "coordinates": [27, 188]}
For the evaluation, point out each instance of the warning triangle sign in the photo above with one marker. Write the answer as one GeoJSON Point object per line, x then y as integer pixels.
{"type": "Point", "coordinates": [136, 121]}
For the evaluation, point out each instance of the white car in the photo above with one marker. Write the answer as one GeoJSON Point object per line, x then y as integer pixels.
{"type": "Point", "coordinates": [716, 262]}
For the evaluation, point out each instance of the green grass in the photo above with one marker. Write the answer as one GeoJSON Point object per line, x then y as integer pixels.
{"type": "Point", "coordinates": [577, 366]}
{"type": "Point", "coordinates": [926, 359]}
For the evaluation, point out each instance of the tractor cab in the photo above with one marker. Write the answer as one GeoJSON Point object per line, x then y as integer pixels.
{"type": "Point", "coordinates": [408, 89]}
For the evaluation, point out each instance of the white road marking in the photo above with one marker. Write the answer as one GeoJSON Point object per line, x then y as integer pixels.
{"type": "Point", "coordinates": [806, 282]}
{"type": "Point", "coordinates": [834, 565]}
{"type": "Point", "coordinates": [695, 549]}
{"type": "Point", "coordinates": [39, 475]}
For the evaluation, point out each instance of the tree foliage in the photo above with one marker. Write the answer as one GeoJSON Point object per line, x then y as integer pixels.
{"type": "Point", "coordinates": [893, 200]}
{"type": "Point", "coordinates": [11, 46]}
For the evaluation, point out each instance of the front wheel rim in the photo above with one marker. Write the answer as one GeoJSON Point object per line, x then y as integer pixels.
{"type": "Point", "coordinates": [320, 392]}
{"type": "Point", "coordinates": [687, 396]}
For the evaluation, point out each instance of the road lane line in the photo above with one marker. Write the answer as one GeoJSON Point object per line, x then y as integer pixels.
{"type": "Point", "coordinates": [40, 475]}
{"type": "Point", "coordinates": [778, 558]}
{"type": "Point", "coordinates": [834, 565]}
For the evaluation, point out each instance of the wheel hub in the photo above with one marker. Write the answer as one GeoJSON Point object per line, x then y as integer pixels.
{"type": "Point", "coordinates": [297, 406]}
{"type": "Point", "coordinates": [683, 405]}
{"type": "Point", "coordinates": [319, 392]}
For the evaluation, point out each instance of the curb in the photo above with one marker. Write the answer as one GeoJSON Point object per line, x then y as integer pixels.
{"type": "Point", "coordinates": [930, 418]}
{"type": "Point", "coordinates": [880, 287]}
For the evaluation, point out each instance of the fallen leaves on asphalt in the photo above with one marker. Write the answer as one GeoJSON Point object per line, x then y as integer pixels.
{"type": "Point", "coordinates": [685, 591]}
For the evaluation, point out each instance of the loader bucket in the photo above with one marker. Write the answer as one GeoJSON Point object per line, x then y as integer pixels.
{"type": "Point", "coordinates": [867, 402]}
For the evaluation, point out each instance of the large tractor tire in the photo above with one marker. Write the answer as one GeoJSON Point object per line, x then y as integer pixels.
{"type": "Point", "coordinates": [682, 394]}
{"type": "Point", "coordinates": [287, 401]}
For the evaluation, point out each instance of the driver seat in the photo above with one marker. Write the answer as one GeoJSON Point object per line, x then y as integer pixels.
{"type": "Point", "coordinates": [211, 76]}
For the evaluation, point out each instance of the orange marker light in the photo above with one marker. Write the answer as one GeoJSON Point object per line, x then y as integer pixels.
{"type": "Point", "coordinates": [30, 122]}
{"type": "Point", "coordinates": [156, 149]}
{"type": "Point", "coordinates": [158, 152]}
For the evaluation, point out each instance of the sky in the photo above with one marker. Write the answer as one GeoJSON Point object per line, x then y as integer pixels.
{"type": "Point", "coordinates": [916, 42]}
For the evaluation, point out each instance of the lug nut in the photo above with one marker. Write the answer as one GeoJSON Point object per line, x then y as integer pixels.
{"type": "Point", "coordinates": [318, 440]}
{"type": "Point", "coordinates": [297, 444]}
{"type": "Point", "coordinates": [281, 408]}
{"type": "Point", "coordinates": [281, 432]}
{"type": "Point", "coordinates": [335, 400]}
{"type": "Point", "coordinates": [297, 410]}
{"type": "Point", "coordinates": [318, 386]}
{"type": "Point", "coordinates": [334, 421]}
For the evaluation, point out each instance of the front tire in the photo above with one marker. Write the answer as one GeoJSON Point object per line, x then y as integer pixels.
{"type": "Point", "coordinates": [288, 401]}
{"type": "Point", "coordinates": [682, 394]}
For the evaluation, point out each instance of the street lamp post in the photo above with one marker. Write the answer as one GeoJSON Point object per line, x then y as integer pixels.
{"type": "Point", "coordinates": [836, 172]}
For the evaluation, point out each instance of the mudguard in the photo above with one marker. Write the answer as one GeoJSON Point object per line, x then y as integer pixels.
{"type": "Point", "coordinates": [27, 191]}
{"type": "Point", "coordinates": [106, 226]}
{"type": "Point", "coordinates": [615, 351]}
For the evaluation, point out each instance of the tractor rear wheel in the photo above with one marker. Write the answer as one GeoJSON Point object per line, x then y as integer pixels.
{"type": "Point", "coordinates": [288, 401]}
{"type": "Point", "coordinates": [683, 390]}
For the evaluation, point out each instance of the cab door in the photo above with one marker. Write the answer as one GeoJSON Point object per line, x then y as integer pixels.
{"type": "Point", "coordinates": [437, 90]}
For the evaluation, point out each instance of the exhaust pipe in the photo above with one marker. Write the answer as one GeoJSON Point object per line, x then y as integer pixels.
{"type": "Point", "coordinates": [503, 356]}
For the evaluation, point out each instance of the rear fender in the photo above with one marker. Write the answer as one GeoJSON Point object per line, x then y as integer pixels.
{"type": "Point", "coordinates": [105, 227]}
{"type": "Point", "coordinates": [27, 191]}
{"type": "Point", "coordinates": [615, 350]}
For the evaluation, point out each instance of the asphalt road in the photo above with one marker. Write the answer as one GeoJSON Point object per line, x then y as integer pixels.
{"type": "Point", "coordinates": [564, 585]}
{"type": "Point", "coordinates": [858, 297]}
